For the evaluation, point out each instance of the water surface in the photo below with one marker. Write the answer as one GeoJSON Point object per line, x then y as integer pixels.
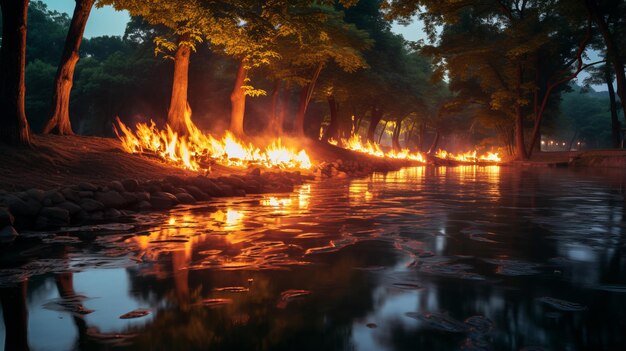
{"type": "Point", "coordinates": [471, 258]}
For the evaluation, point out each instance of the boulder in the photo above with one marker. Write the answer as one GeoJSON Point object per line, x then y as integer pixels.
{"type": "Point", "coordinates": [52, 197]}
{"type": "Point", "coordinates": [112, 213]}
{"type": "Point", "coordinates": [85, 193]}
{"type": "Point", "coordinates": [70, 194]}
{"type": "Point", "coordinates": [91, 205]}
{"type": "Point", "coordinates": [207, 185]}
{"type": "Point", "coordinates": [71, 207]}
{"type": "Point", "coordinates": [111, 199]}
{"type": "Point", "coordinates": [175, 181]}
{"type": "Point", "coordinates": [142, 196]}
{"type": "Point", "coordinates": [117, 186]}
{"type": "Point", "coordinates": [8, 234]}
{"type": "Point", "coordinates": [143, 206]}
{"type": "Point", "coordinates": [130, 184]}
{"type": "Point", "coordinates": [196, 193]}
{"type": "Point", "coordinates": [6, 218]}
{"type": "Point", "coordinates": [87, 187]}
{"type": "Point", "coordinates": [54, 216]}
{"type": "Point", "coordinates": [21, 208]}
{"type": "Point", "coordinates": [163, 200]}
{"type": "Point", "coordinates": [185, 198]}
{"type": "Point", "coordinates": [36, 194]}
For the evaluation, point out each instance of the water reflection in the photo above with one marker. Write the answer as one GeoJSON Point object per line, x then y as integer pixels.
{"type": "Point", "coordinates": [423, 258]}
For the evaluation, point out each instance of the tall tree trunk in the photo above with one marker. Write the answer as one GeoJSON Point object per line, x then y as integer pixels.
{"type": "Point", "coordinates": [274, 107]}
{"type": "Point", "coordinates": [14, 128]}
{"type": "Point", "coordinates": [59, 122]}
{"type": "Point", "coordinates": [395, 138]}
{"type": "Point", "coordinates": [177, 116]}
{"type": "Point", "coordinates": [333, 127]}
{"type": "Point", "coordinates": [375, 116]}
{"type": "Point", "coordinates": [283, 108]}
{"type": "Point", "coordinates": [520, 146]}
{"type": "Point", "coordinates": [305, 97]}
{"type": "Point", "coordinates": [238, 101]}
{"type": "Point", "coordinates": [435, 144]}
{"type": "Point", "coordinates": [616, 127]}
{"type": "Point", "coordinates": [382, 132]}
{"type": "Point", "coordinates": [613, 53]}
{"type": "Point", "coordinates": [15, 313]}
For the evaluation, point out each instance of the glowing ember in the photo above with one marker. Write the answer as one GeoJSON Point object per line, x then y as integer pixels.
{"type": "Point", "coordinates": [197, 150]}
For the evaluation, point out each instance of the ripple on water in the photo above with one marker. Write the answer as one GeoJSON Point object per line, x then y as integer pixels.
{"type": "Point", "coordinates": [439, 321]}
{"type": "Point", "coordinates": [562, 305]}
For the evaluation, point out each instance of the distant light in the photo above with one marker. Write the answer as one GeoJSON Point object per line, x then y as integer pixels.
{"type": "Point", "coordinates": [543, 142]}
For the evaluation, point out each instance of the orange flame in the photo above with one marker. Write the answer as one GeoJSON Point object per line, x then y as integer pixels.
{"type": "Point", "coordinates": [469, 156]}
{"type": "Point", "coordinates": [197, 150]}
{"type": "Point", "coordinates": [355, 143]}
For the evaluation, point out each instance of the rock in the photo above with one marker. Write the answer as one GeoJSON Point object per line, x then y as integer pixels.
{"type": "Point", "coordinates": [36, 194]}
{"type": "Point", "coordinates": [143, 206]}
{"type": "Point", "coordinates": [6, 218]}
{"type": "Point", "coordinates": [196, 193]}
{"type": "Point", "coordinates": [142, 196]}
{"type": "Point", "coordinates": [8, 234]}
{"type": "Point", "coordinates": [208, 186]}
{"type": "Point", "coordinates": [252, 187]}
{"type": "Point", "coordinates": [168, 188]}
{"type": "Point", "coordinates": [87, 187]}
{"type": "Point", "coordinates": [71, 207]}
{"type": "Point", "coordinates": [18, 207]}
{"type": "Point", "coordinates": [55, 216]}
{"type": "Point", "coordinates": [185, 198]}
{"type": "Point", "coordinates": [111, 199]}
{"type": "Point", "coordinates": [233, 181]}
{"type": "Point", "coordinates": [117, 186]}
{"type": "Point", "coordinates": [227, 190]}
{"type": "Point", "coordinates": [85, 193]}
{"type": "Point", "coordinates": [175, 181]}
{"type": "Point", "coordinates": [52, 197]}
{"type": "Point", "coordinates": [91, 205]}
{"type": "Point", "coordinates": [163, 200]}
{"type": "Point", "coordinates": [112, 213]}
{"type": "Point", "coordinates": [153, 186]}
{"type": "Point", "coordinates": [96, 216]}
{"type": "Point", "coordinates": [255, 172]}
{"type": "Point", "coordinates": [130, 184]}
{"type": "Point", "coordinates": [70, 194]}
{"type": "Point", "coordinates": [130, 198]}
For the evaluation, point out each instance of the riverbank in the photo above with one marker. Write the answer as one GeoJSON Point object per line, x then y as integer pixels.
{"type": "Point", "coordinates": [73, 180]}
{"type": "Point", "coordinates": [592, 158]}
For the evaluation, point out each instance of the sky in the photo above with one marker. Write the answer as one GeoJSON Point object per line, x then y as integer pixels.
{"type": "Point", "coordinates": [107, 21]}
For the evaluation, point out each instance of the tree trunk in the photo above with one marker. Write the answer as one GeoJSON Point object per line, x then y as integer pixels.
{"type": "Point", "coordinates": [395, 138]}
{"type": "Point", "coordinates": [177, 116]}
{"type": "Point", "coordinates": [305, 97]}
{"type": "Point", "coordinates": [274, 107]}
{"type": "Point", "coordinates": [433, 146]}
{"type": "Point", "coordinates": [280, 122]}
{"type": "Point", "coordinates": [375, 116]}
{"type": "Point", "coordinates": [382, 132]}
{"type": "Point", "coordinates": [616, 127]}
{"type": "Point", "coordinates": [14, 128]}
{"type": "Point", "coordinates": [612, 50]}
{"type": "Point", "coordinates": [520, 146]}
{"type": "Point", "coordinates": [238, 101]}
{"type": "Point", "coordinates": [59, 122]}
{"type": "Point", "coordinates": [333, 127]}
{"type": "Point", "coordinates": [15, 312]}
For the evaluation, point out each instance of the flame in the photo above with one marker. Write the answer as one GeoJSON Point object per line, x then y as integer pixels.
{"type": "Point", "coordinates": [469, 156]}
{"type": "Point", "coordinates": [197, 150]}
{"type": "Point", "coordinates": [355, 143]}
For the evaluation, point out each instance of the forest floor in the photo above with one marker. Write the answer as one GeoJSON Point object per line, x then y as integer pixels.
{"type": "Point", "coordinates": [55, 161]}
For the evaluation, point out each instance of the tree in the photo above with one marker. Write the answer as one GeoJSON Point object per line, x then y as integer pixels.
{"type": "Point", "coordinates": [502, 48]}
{"type": "Point", "coordinates": [186, 21]}
{"type": "Point", "coordinates": [14, 128]}
{"type": "Point", "coordinates": [59, 122]}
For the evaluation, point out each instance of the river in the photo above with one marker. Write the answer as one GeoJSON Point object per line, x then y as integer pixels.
{"type": "Point", "coordinates": [425, 258]}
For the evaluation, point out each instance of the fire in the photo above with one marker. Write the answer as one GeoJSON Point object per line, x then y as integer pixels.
{"type": "Point", "coordinates": [197, 150]}
{"type": "Point", "coordinates": [355, 143]}
{"type": "Point", "coordinates": [469, 157]}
